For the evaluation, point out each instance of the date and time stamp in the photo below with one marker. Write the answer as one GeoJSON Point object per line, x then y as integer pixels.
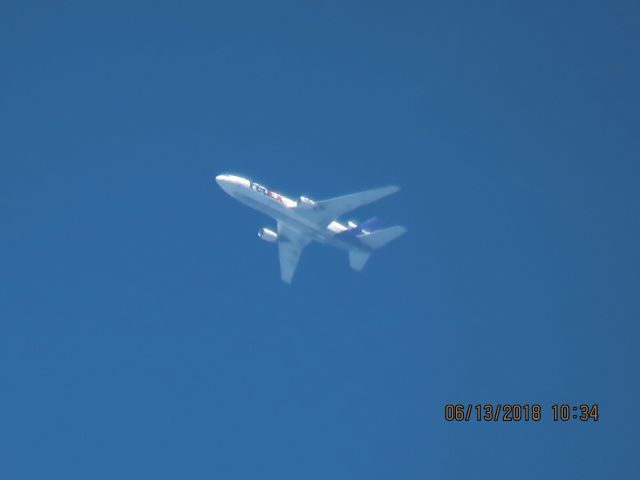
{"type": "Point", "coordinates": [520, 412]}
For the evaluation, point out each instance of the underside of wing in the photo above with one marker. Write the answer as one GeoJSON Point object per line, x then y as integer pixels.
{"type": "Point", "coordinates": [335, 207]}
{"type": "Point", "coordinates": [290, 246]}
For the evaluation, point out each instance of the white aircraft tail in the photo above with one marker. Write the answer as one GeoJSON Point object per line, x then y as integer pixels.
{"type": "Point", "coordinates": [357, 258]}
{"type": "Point", "coordinates": [373, 240]}
{"type": "Point", "coordinates": [380, 238]}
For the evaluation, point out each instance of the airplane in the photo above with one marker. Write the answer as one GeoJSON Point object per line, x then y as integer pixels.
{"type": "Point", "coordinates": [302, 221]}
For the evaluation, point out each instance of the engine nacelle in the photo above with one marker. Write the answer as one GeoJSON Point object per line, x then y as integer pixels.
{"type": "Point", "coordinates": [268, 235]}
{"type": "Point", "coordinates": [307, 203]}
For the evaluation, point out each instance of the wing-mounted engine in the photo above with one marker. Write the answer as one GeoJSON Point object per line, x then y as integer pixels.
{"type": "Point", "coordinates": [307, 203]}
{"type": "Point", "coordinates": [268, 235]}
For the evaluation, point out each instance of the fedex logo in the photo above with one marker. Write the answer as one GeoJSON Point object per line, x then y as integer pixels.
{"type": "Point", "coordinates": [260, 189]}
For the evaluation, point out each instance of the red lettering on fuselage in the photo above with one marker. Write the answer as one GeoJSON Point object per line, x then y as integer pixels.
{"type": "Point", "coordinates": [264, 191]}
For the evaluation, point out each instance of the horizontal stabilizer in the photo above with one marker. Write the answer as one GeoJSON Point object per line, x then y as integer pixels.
{"type": "Point", "coordinates": [357, 258]}
{"type": "Point", "coordinates": [380, 238]}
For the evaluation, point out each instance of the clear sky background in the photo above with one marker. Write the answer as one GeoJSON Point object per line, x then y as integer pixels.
{"type": "Point", "coordinates": [144, 331]}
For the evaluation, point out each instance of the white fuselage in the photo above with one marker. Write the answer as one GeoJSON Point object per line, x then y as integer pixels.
{"type": "Point", "coordinates": [285, 210]}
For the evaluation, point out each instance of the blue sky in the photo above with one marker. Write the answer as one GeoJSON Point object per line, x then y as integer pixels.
{"type": "Point", "coordinates": [144, 331]}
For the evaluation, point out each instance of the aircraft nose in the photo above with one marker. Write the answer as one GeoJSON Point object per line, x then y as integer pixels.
{"type": "Point", "coordinates": [231, 183]}
{"type": "Point", "coordinates": [220, 179]}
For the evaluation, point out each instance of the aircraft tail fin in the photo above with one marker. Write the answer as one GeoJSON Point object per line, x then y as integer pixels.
{"type": "Point", "coordinates": [357, 258]}
{"type": "Point", "coordinates": [370, 225]}
{"type": "Point", "coordinates": [380, 238]}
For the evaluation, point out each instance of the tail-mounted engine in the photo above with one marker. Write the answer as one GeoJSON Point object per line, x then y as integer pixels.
{"type": "Point", "coordinates": [305, 202]}
{"type": "Point", "coordinates": [268, 235]}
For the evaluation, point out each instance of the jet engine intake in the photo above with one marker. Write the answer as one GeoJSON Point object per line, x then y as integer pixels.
{"type": "Point", "coordinates": [268, 235]}
{"type": "Point", "coordinates": [307, 203]}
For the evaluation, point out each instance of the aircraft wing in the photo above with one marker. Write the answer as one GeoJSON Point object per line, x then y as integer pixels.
{"type": "Point", "coordinates": [290, 246]}
{"type": "Point", "coordinates": [335, 207]}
